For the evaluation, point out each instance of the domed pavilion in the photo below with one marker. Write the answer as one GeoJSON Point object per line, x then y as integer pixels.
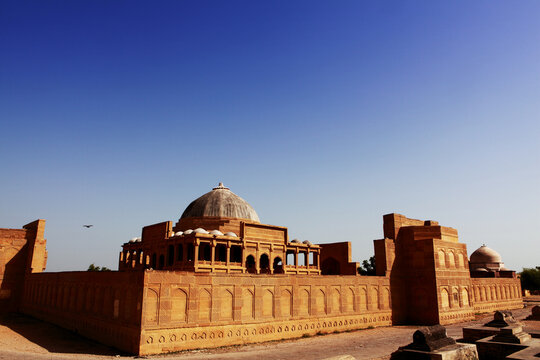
{"type": "Point", "coordinates": [220, 232]}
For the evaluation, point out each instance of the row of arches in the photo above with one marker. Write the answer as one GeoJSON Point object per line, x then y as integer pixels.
{"type": "Point", "coordinates": [221, 255]}
{"type": "Point", "coordinates": [220, 303]}
{"type": "Point", "coordinates": [264, 265]}
{"type": "Point", "coordinates": [496, 292]}
{"type": "Point", "coordinates": [452, 258]}
{"type": "Point", "coordinates": [455, 297]}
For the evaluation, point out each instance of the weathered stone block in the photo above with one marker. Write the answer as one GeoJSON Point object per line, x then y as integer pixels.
{"type": "Point", "coordinates": [451, 352]}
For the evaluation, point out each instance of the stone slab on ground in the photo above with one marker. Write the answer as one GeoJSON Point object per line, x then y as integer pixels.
{"type": "Point", "coordinates": [525, 354]}
{"type": "Point", "coordinates": [493, 350]}
{"type": "Point", "coordinates": [535, 313]}
{"type": "Point", "coordinates": [451, 352]}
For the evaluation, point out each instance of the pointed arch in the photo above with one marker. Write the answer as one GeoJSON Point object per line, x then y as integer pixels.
{"type": "Point", "coordinates": [363, 299]}
{"type": "Point", "coordinates": [445, 299]}
{"type": "Point", "coordinates": [336, 301]}
{"type": "Point", "coordinates": [268, 303]}
{"type": "Point", "coordinates": [461, 262]}
{"type": "Point", "coordinates": [464, 297]}
{"type": "Point", "coordinates": [248, 304]}
{"type": "Point", "coordinates": [179, 305]}
{"type": "Point", "coordinates": [226, 308]}
{"type": "Point", "coordinates": [349, 300]}
{"type": "Point", "coordinates": [386, 298]}
{"type": "Point", "coordinates": [304, 303]}
{"type": "Point", "coordinates": [320, 302]}
{"type": "Point", "coordinates": [205, 305]}
{"type": "Point", "coordinates": [455, 297]}
{"type": "Point", "coordinates": [286, 303]}
{"type": "Point", "coordinates": [442, 258]}
{"type": "Point", "coordinates": [374, 298]}
{"type": "Point", "coordinates": [451, 259]}
{"type": "Point", "coordinates": [151, 306]}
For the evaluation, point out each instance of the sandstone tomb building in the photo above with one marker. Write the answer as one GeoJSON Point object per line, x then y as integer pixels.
{"type": "Point", "coordinates": [220, 277]}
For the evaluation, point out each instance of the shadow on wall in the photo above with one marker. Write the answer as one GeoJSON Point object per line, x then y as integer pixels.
{"type": "Point", "coordinates": [13, 278]}
{"type": "Point", "coordinates": [53, 338]}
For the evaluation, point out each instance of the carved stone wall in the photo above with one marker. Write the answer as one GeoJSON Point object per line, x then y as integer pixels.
{"type": "Point", "coordinates": [105, 306]}
{"type": "Point", "coordinates": [218, 310]}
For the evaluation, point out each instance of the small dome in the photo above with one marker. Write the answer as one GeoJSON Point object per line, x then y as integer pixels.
{"type": "Point", "coordinates": [216, 232]}
{"type": "Point", "coordinates": [230, 233]}
{"type": "Point", "coordinates": [200, 231]}
{"type": "Point", "coordinates": [307, 242]}
{"type": "Point", "coordinates": [188, 231]}
{"type": "Point", "coordinates": [485, 255]}
{"type": "Point", "coordinates": [296, 241]}
{"type": "Point", "coordinates": [178, 233]}
{"type": "Point", "coordinates": [481, 269]}
{"type": "Point", "coordinates": [220, 202]}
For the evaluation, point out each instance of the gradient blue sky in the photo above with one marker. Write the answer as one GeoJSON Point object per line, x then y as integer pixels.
{"type": "Point", "coordinates": [323, 115]}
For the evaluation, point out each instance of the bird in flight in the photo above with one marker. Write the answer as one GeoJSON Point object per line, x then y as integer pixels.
{"type": "Point", "coordinates": [88, 226]}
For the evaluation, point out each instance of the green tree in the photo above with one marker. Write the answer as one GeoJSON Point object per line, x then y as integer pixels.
{"type": "Point", "coordinates": [367, 267]}
{"type": "Point", "coordinates": [93, 267]}
{"type": "Point", "coordinates": [530, 278]}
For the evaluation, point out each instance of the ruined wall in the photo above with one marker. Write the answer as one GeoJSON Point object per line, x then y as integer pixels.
{"type": "Point", "coordinates": [21, 251]}
{"type": "Point", "coordinates": [105, 306]}
{"type": "Point", "coordinates": [492, 294]}
{"type": "Point", "coordinates": [183, 310]}
{"type": "Point", "coordinates": [336, 259]}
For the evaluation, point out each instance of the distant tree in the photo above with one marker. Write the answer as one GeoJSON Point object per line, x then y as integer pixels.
{"type": "Point", "coordinates": [530, 278]}
{"type": "Point", "coordinates": [93, 267]}
{"type": "Point", "coordinates": [367, 267]}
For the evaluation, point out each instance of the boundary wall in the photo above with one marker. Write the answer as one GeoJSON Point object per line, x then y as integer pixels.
{"type": "Point", "coordinates": [491, 294]}
{"type": "Point", "coordinates": [183, 310]}
{"type": "Point", "coordinates": [154, 312]}
{"type": "Point", "coordinates": [104, 306]}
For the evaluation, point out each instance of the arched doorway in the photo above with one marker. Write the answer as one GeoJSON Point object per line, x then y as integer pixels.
{"type": "Point", "coordinates": [250, 264]}
{"type": "Point", "coordinates": [278, 266]}
{"type": "Point", "coordinates": [264, 264]}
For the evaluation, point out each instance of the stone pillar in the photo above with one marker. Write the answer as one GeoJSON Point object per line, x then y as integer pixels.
{"type": "Point", "coordinates": [213, 252]}
{"type": "Point", "coordinates": [228, 258]}
{"type": "Point", "coordinates": [243, 257]}
{"type": "Point", "coordinates": [196, 254]}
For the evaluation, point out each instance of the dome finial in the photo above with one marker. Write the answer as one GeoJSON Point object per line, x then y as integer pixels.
{"type": "Point", "coordinates": [220, 186]}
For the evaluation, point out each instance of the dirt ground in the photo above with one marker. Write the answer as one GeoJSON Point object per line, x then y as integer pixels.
{"type": "Point", "coordinates": [23, 337]}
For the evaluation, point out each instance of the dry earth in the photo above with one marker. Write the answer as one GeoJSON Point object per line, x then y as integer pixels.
{"type": "Point", "coordinates": [23, 337]}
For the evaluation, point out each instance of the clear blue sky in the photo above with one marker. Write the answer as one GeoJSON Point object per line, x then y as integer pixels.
{"type": "Point", "coordinates": [323, 115]}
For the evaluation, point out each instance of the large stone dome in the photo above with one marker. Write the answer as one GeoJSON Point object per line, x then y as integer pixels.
{"type": "Point", "coordinates": [220, 202]}
{"type": "Point", "coordinates": [485, 255]}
